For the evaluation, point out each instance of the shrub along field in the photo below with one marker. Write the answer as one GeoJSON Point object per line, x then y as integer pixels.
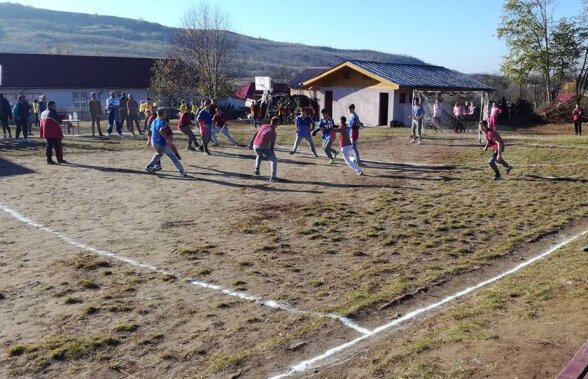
{"type": "Point", "coordinates": [424, 222]}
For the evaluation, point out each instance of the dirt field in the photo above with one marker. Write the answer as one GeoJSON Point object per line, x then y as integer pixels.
{"type": "Point", "coordinates": [426, 221]}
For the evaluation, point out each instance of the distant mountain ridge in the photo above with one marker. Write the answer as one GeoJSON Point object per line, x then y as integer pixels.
{"type": "Point", "coordinates": [24, 29]}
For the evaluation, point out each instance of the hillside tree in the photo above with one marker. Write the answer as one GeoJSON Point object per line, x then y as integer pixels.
{"type": "Point", "coordinates": [526, 27]}
{"type": "Point", "coordinates": [582, 77]}
{"type": "Point", "coordinates": [206, 44]}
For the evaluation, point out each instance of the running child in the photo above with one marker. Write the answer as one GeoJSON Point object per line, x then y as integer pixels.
{"type": "Point", "coordinates": [326, 127]}
{"type": "Point", "coordinates": [161, 140]}
{"type": "Point", "coordinates": [219, 124]}
{"type": "Point", "coordinates": [495, 111]}
{"type": "Point", "coordinates": [346, 145]}
{"type": "Point", "coordinates": [494, 141]}
{"type": "Point", "coordinates": [354, 125]}
{"type": "Point", "coordinates": [185, 126]}
{"type": "Point", "coordinates": [205, 125]}
{"type": "Point", "coordinates": [263, 145]}
{"type": "Point", "coordinates": [304, 125]}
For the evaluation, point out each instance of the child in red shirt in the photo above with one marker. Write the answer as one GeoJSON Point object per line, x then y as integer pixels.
{"type": "Point", "coordinates": [263, 145]}
{"type": "Point", "coordinates": [346, 146]}
{"type": "Point", "coordinates": [494, 141]}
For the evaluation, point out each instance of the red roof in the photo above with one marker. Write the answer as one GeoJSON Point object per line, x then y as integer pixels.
{"type": "Point", "coordinates": [74, 71]}
{"type": "Point", "coordinates": [565, 97]}
{"type": "Point", "coordinates": [248, 91]}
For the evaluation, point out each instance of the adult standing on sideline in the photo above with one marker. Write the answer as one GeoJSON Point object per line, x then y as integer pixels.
{"type": "Point", "coordinates": [50, 129]}
{"type": "Point", "coordinates": [41, 107]}
{"type": "Point", "coordinates": [133, 115]}
{"type": "Point", "coordinates": [437, 114]}
{"type": "Point", "coordinates": [95, 111]}
{"type": "Point", "coordinates": [577, 116]}
{"type": "Point", "coordinates": [113, 109]}
{"type": "Point", "coordinates": [354, 124]}
{"type": "Point", "coordinates": [417, 121]}
{"type": "Point", "coordinates": [124, 115]}
{"type": "Point", "coordinates": [304, 127]}
{"type": "Point", "coordinates": [5, 115]}
{"type": "Point", "coordinates": [147, 112]}
{"type": "Point", "coordinates": [20, 112]}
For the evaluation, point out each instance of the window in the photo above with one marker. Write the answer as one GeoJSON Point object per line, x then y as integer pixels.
{"type": "Point", "coordinates": [80, 100]}
{"type": "Point", "coordinates": [410, 98]}
{"type": "Point", "coordinates": [402, 98]}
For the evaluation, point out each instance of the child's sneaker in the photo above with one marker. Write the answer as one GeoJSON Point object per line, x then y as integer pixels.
{"type": "Point", "coordinates": [509, 169]}
{"type": "Point", "coordinates": [419, 142]}
{"type": "Point", "coordinates": [183, 174]}
{"type": "Point", "coordinates": [335, 153]}
{"type": "Point", "coordinates": [156, 168]}
{"type": "Point", "coordinates": [498, 177]}
{"type": "Point", "coordinates": [332, 161]}
{"type": "Point", "coordinates": [412, 140]}
{"type": "Point", "coordinates": [256, 172]}
{"type": "Point", "coordinates": [150, 169]}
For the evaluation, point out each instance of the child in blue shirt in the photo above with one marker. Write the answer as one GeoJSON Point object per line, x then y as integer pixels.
{"type": "Point", "coordinates": [161, 135]}
{"type": "Point", "coordinates": [326, 127]}
{"type": "Point", "coordinates": [304, 125]}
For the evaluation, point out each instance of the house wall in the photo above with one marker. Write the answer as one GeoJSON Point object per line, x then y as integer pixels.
{"type": "Point", "coordinates": [366, 100]}
{"type": "Point", "coordinates": [64, 98]}
{"type": "Point", "coordinates": [403, 110]}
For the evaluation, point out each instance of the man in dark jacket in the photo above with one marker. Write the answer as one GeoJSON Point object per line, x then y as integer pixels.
{"type": "Point", "coordinates": [51, 131]}
{"type": "Point", "coordinates": [20, 111]}
{"type": "Point", "coordinates": [5, 114]}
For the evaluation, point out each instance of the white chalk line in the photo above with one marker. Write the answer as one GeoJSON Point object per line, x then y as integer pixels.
{"type": "Point", "coordinates": [238, 294]}
{"type": "Point", "coordinates": [331, 353]}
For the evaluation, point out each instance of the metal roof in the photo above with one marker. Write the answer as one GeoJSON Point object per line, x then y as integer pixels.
{"type": "Point", "coordinates": [422, 76]}
{"type": "Point", "coordinates": [74, 71]}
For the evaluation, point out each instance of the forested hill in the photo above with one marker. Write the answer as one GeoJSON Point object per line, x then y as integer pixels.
{"type": "Point", "coordinates": [25, 29]}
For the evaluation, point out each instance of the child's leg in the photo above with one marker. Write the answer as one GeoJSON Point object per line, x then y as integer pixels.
{"type": "Point", "coordinates": [492, 163]}
{"type": "Point", "coordinates": [259, 155]}
{"type": "Point", "coordinates": [227, 134]}
{"type": "Point", "coordinates": [213, 133]}
{"type": "Point", "coordinates": [311, 144]}
{"type": "Point", "coordinates": [346, 151]}
{"type": "Point", "coordinates": [49, 149]}
{"type": "Point", "coordinates": [296, 143]}
{"type": "Point", "coordinates": [155, 161]}
{"type": "Point", "coordinates": [413, 128]}
{"type": "Point", "coordinates": [419, 127]}
{"type": "Point", "coordinates": [118, 127]}
{"type": "Point", "coordinates": [356, 151]}
{"type": "Point", "coordinates": [170, 154]}
{"type": "Point", "coordinates": [274, 164]}
{"type": "Point", "coordinates": [327, 148]}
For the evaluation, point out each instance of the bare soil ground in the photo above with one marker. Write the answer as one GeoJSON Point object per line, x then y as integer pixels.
{"type": "Point", "coordinates": [425, 220]}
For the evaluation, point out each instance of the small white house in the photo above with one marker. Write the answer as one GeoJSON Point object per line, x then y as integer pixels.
{"type": "Point", "coordinates": [70, 79]}
{"type": "Point", "coordinates": [382, 92]}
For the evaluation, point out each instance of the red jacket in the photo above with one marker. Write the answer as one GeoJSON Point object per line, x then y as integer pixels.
{"type": "Point", "coordinates": [50, 124]}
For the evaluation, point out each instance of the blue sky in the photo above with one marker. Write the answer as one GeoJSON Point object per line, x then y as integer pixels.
{"type": "Point", "coordinates": [457, 34]}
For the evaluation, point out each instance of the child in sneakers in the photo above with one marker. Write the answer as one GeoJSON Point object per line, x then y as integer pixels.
{"type": "Point", "coordinates": [346, 145]}
{"type": "Point", "coordinates": [494, 141]}
{"type": "Point", "coordinates": [326, 127]}
{"type": "Point", "coordinates": [161, 140]}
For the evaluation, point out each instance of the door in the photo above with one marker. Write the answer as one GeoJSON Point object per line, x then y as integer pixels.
{"type": "Point", "coordinates": [329, 102]}
{"type": "Point", "coordinates": [383, 114]}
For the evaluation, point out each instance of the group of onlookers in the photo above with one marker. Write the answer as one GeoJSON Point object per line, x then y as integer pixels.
{"type": "Point", "coordinates": [23, 113]}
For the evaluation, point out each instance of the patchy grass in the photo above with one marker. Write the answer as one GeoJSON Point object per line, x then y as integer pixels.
{"type": "Point", "coordinates": [197, 251]}
{"type": "Point", "coordinates": [89, 285]}
{"type": "Point", "coordinates": [63, 348]}
{"type": "Point", "coordinates": [125, 328]}
{"type": "Point", "coordinates": [493, 314]}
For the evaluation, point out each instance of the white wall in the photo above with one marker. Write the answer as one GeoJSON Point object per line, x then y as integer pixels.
{"type": "Point", "coordinates": [366, 100]}
{"type": "Point", "coordinates": [64, 97]}
{"type": "Point", "coordinates": [403, 111]}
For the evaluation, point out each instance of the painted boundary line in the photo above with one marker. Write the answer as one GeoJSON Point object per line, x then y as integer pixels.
{"type": "Point", "coordinates": [238, 294]}
{"type": "Point", "coordinates": [321, 359]}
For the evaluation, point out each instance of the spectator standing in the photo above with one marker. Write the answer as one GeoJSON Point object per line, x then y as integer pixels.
{"type": "Point", "coordinates": [50, 129]}
{"type": "Point", "coordinates": [577, 116]}
{"type": "Point", "coordinates": [20, 112]}
{"type": "Point", "coordinates": [95, 111]}
{"type": "Point", "coordinates": [113, 109]}
{"type": "Point", "coordinates": [124, 116]}
{"type": "Point", "coordinates": [133, 115]}
{"type": "Point", "coordinates": [5, 115]}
